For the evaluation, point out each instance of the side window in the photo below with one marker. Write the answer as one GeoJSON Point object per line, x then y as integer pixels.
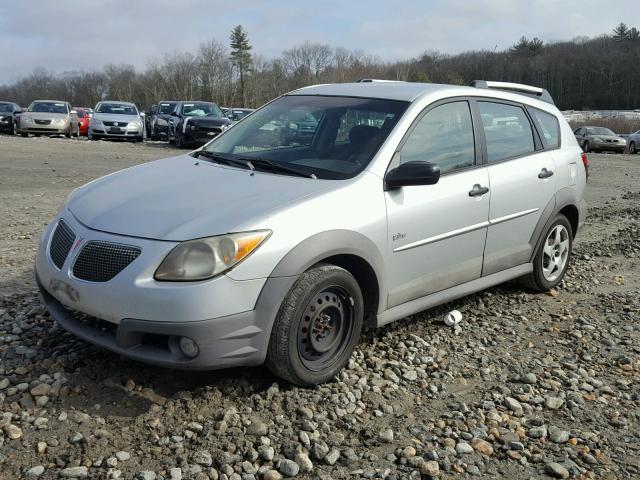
{"type": "Point", "coordinates": [443, 136]}
{"type": "Point", "coordinates": [507, 131]}
{"type": "Point", "coordinates": [578, 131]}
{"type": "Point", "coordinates": [550, 127]}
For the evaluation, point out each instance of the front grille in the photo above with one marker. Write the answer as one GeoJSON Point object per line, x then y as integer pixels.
{"type": "Point", "coordinates": [43, 122]}
{"type": "Point", "coordinates": [61, 242]}
{"type": "Point", "coordinates": [116, 124]}
{"type": "Point", "coordinates": [101, 261]}
{"type": "Point", "coordinates": [209, 129]}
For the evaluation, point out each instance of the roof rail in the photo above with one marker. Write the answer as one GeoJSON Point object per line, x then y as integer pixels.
{"type": "Point", "coordinates": [375, 80]}
{"type": "Point", "coordinates": [528, 90]}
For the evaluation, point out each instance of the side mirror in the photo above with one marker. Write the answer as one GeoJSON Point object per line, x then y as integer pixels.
{"type": "Point", "coordinates": [174, 114]}
{"type": "Point", "coordinates": [412, 173]}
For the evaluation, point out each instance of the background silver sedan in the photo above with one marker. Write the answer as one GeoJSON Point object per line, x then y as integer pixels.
{"type": "Point", "coordinates": [49, 117]}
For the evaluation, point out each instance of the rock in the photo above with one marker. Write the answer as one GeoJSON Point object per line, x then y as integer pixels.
{"type": "Point", "coordinates": [75, 472]}
{"type": "Point", "coordinates": [537, 432]}
{"type": "Point", "coordinates": [257, 428]}
{"type": "Point", "coordinates": [146, 475]}
{"type": "Point", "coordinates": [513, 405]}
{"type": "Point", "coordinates": [386, 435]}
{"type": "Point", "coordinates": [203, 458]}
{"type": "Point", "coordinates": [332, 457]}
{"type": "Point", "coordinates": [430, 468]}
{"type": "Point", "coordinates": [288, 467]}
{"type": "Point", "coordinates": [463, 448]}
{"type": "Point", "coordinates": [41, 389]}
{"type": "Point", "coordinates": [303, 461]}
{"type": "Point", "coordinates": [4, 383]}
{"type": "Point", "coordinates": [529, 378]}
{"type": "Point", "coordinates": [272, 475]}
{"type": "Point", "coordinates": [553, 403]}
{"type": "Point", "coordinates": [409, 452]}
{"type": "Point", "coordinates": [482, 446]}
{"type": "Point", "coordinates": [557, 435]}
{"type": "Point", "coordinates": [35, 471]}
{"type": "Point", "coordinates": [175, 473]}
{"type": "Point", "coordinates": [410, 375]}
{"type": "Point", "coordinates": [13, 432]}
{"type": "Point", "coordinates": [123, 456]}
{"type": "Point", "coordinates": [556, 470]}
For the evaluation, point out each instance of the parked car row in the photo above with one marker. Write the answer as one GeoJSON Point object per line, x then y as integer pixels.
{"type": "Point", "coordinates": [601, 139]}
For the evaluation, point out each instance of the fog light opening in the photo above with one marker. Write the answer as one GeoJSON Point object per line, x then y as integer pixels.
{"type": "Point", "coordinates": [188, 347]}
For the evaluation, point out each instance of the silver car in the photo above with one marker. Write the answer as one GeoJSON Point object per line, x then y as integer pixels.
{"type": "Point", "coordinates": [270, 247]}
{"type": "Point", "coordinates": [48, 117]}
{"type": "Point", "coordinates": [116, 120]}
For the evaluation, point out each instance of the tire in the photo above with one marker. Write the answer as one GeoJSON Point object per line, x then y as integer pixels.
{"type": "Point", "coordinates": [317, 327]}
{"type": "Point", "coordinates": [552, 258]}
{"type": "Point", "coordinates": [586, 147]}
{"type": "Point", "coordinates": [632, 148]}
{"type": "Point", "coordinates": [14, 129]}
{"type": "Point", "coordinates": [179, 141]}
{"type": "Point", "coordinates": [25, 135]}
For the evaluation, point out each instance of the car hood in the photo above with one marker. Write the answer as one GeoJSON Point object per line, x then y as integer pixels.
{"type": "Point", "coordinates": [115, 117]}
{"type": "Point", "coordinates": [44, 115]}
{"type": "Point", "coordinates": [209, 121]}
{"type": "Point", "coordinates": [606, 137]}
{"type": "Point", "coordinates": [182, 198]}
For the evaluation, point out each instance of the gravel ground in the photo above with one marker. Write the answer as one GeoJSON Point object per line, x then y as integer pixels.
{"type": "Point", "coordinates": [527, 386]}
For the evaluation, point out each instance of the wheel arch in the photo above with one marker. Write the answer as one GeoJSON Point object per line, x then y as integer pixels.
{"type": "Point", "coordinates": [347, 249]}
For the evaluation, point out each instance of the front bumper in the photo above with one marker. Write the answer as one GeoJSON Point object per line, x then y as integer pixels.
{"type": "Point", "coordinates": [609, 146]}
{"type": "Point", "coordinates": [44, 129]}
{"type": "Point", "coordinates": [135, 316]}
{"type": "Point", "coordinates": [108, 132]}
{"type": "Point", "coordinates": [201, 135]}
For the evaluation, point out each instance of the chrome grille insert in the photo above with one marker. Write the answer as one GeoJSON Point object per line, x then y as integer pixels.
{"type": "Point", "coordinates": [61, 243]}
{"type": "Point", "coordinates": [101, 261]}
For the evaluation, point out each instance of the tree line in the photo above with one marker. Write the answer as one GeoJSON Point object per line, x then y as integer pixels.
{"type": "Point", "coordinates": [583, 73]}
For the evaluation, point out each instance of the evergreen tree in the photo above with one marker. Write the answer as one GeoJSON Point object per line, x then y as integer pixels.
{"type": "Point", "coordinates": [621, 32]}
{"type": "Point", "coordinates": [241, 57]}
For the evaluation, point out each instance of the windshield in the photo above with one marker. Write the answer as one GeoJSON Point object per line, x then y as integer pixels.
{"type": "Point", "coordinates": [48, 107]}
{"type": "Point", "coordinates": [201, 109]}
{"type": "Point", "coordinates": [117, 109]}
{"type": "Point", "coordinates": [79, 112]}
{"type": "Point", "coordinates": [330, 137]}
{"type": "Point", "coordinates": [239, 114]}
{"type": "Point", "coordinates": [166, 107]}
{"type": "Point", "coordinates": [6, 107]}
{"type": "Point", "coordinates": [600, 131]}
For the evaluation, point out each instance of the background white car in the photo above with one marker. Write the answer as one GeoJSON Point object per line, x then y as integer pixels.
{"type": "Point", "coordinates": [116, 120]}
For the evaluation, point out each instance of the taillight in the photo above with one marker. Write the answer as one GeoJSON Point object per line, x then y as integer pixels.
{"type": "Point", "coordinates": [585, 162]}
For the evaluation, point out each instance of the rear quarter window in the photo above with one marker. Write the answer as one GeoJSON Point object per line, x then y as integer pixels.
{"type": "Point", "coordinates": [549, 126]}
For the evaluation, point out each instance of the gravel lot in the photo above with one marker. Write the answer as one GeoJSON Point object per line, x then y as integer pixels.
{"type": "Point", "coordinates": [528, 385]}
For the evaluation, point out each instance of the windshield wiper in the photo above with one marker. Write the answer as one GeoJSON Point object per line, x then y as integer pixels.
{"type": "Point", "coordinates": [278, 168]}
{"type": "Point", "coordinates": [221, 159]}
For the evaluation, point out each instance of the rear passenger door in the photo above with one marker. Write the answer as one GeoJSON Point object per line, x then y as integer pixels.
{"type": "Point", "coordinates": [521, 174]}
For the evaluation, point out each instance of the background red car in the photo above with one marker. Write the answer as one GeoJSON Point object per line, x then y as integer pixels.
{"type": "Point", "coordinates": [83, 120]}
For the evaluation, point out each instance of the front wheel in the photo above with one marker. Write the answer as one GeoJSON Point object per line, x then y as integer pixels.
{"type": "Point", "coordinates": [317, 327]}
{"type": "Point", "coordinates": [586, 147]}
{"type": "Point", "coordinates": [179, 140]}
{"type": "Point", "coordinates": [552, 258]}
{"type": "Point", "coordinates": [632, 148]}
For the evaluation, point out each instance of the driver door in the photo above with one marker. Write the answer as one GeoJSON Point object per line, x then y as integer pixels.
{"type": "Point", "coordinates": [437, 232]}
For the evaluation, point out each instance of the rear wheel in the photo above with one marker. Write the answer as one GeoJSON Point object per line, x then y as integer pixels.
{"type": "Point", "coordinates": [317, 326]}
{"type": "Point", "coordinates": [552, 258]}
{"type": "Point", "coordinates": [25, 135]}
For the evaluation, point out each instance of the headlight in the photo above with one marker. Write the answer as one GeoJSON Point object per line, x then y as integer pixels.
{"type": "Point", "coordinates": [193, 127]}
{"type": "Point", "coordinates": [96, 123]}
{"type": "Point", "coordinates": [225, 126]}
{"type": "Point", "coordinates": [161, 121]}
{"type": "Point", "coordinates": [58, 121]}
{"type": "Point", "coordinates": [136, 124]}
{"type": "Point", "coordinates": [597, 139]}
{"type": "Point", "coordinates": [26, 119]}
{"type": "Point", "coordinates": [5, 119]}
{"type": "Point", "coordinates": [207, 257]}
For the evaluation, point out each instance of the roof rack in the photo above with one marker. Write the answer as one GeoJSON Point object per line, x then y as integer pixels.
{"type": "Point", "coordinates": [375, 80]}
{"type": "Point", "coordinates": [528, 90]}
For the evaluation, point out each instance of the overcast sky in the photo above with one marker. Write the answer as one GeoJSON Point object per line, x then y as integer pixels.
{"type": "Point", "coordinates": [63, 35]}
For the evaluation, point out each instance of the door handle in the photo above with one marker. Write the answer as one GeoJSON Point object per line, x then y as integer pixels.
{"type": "Point", "coordinates": [544, 173]}
{"type": "Point", "coordinates": [478, 190]}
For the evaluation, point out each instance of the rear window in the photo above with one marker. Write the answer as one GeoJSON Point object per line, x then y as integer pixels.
{"type": "Point", "coordinates": [507, 131]}
{"type": "Point", "coordinates": [550, 127]}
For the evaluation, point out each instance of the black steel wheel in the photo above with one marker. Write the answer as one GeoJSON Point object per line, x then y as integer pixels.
{"type": "Point", "coordinates": [317, 326]}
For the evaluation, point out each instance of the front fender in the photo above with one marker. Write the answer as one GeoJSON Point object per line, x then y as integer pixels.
{"type": "Point", "coordinates": [328, 244]}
